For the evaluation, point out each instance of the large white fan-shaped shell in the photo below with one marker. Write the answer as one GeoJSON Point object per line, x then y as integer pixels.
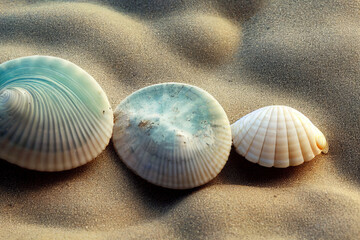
{"type": "Point", "coordinates": [172, 135]}
{"type": "Point", "coordinates": [53, 115]}
{"type": "Point", "coordinates": [277, 136]}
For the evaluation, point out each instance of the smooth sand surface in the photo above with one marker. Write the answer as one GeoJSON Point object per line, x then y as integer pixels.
{"type": "Point", "coordinates": [247, 54]}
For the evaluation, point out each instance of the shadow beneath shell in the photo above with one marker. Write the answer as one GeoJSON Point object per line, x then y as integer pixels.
{"type": "Point", "coordinates": [324, 76]}
{"type": "Point", "coordinates": [239, 171]}
{"type": "Point", "coordinates": [154, 199]}
{"type": "Point", "coordinates": [158, 198]}
{"type": "Point", "coordinates": [16, 179]}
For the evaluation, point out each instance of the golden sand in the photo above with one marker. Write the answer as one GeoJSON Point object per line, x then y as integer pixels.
{"type": "Point", "coordinates": [247, 54]}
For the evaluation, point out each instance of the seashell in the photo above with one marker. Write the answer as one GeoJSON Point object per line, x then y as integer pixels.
{"type": "Point", "coordinates": [277, 136]}
{"type": "Point", "coordinates": [172, 135]}
{"type": "Point", "coordinates": [53, 115]}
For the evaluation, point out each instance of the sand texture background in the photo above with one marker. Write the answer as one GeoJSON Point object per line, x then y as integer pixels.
{"type": "Point", "coordinates": [247, 54]}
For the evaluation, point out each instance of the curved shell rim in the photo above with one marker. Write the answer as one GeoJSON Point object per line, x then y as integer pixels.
{"type": "Point", "coordinates": [207, 94]}
{"type": "Point", "coordinates": [324, 150]}
{"type": "Point", "coordinates": [91, 79]}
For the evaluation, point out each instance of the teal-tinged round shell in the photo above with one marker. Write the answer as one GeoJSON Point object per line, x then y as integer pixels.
{"type": "Point", "coordinates": [53, 115]}
{"type": "Point", "coordinates": [172, 135]}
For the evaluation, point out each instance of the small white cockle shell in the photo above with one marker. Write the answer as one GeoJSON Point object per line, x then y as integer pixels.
{"type": "Point", "coordinates": [277, 136]}
{"type": "Point", "coordinates": [53, 115]}
{"type": "Point", "coordinates": [172, 135]}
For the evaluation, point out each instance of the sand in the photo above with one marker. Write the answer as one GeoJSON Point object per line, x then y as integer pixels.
{"type": "Point", "coordinates": [247, 54]}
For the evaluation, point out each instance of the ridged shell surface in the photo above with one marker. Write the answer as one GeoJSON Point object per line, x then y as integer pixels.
{"type": "Point", "coordinates": [277, 136]}
{"type": "Point", "coordinates": [172, 135]}
{"type": "Point", "coordinates": [53, 115]}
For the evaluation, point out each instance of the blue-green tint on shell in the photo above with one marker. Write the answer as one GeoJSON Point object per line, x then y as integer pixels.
{"type": "Point", "coordinates": [53, 115]}
{"type": "Point", "coordinates": [172, 135]}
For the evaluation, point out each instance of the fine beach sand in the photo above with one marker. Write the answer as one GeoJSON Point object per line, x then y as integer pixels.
{"type": "Point", "coordinates": [247, 54]}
